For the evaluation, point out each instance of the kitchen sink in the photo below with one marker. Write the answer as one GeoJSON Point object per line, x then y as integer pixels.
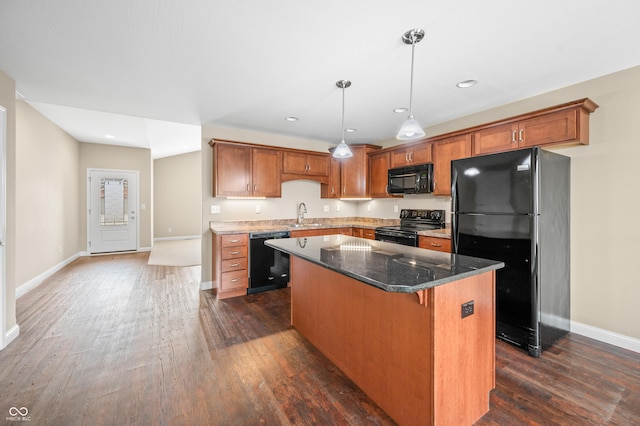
{"type": "Point", "coordinates": [303, 225]}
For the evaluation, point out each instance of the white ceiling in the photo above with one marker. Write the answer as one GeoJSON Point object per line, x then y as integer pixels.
{"type": "Point", "coordinates": [150, 72]}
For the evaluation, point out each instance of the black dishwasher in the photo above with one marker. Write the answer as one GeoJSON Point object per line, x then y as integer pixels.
{"type": "Point", "coordinates": [268, 267]}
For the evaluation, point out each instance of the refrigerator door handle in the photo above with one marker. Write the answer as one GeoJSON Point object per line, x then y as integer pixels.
{"type": "Point", "coordinates": [454, 233]}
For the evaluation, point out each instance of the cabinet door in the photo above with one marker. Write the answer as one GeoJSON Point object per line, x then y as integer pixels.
{"type": "Point", "coordinates": [550, 128]}
{"type": "Point", "coordinates": [267, 168]}
{"type": "Point", "coordinates": [332, 189]}
{"type": "Point", "coordinates": [444, 152]}
{"type": "Point", "coordinates": [414, 154]}
{"type": "Point", "coordinates": [318, 165]}
{"type": "Point", "coordinates": [495, 139]}
{"type": "Point", "coordinates": [378, 172]}
{"type": "Point", "coordinates": [294, 162]}
{"type": "Point", "coordinates": [232, 170]}
{"type": "Point", "coordinates": [353, 174]}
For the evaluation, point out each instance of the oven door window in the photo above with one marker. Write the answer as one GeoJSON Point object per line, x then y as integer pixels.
{"type": "Point", "coordinates": [402, 183]}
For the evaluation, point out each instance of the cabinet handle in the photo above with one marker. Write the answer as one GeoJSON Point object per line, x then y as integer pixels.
{"type": "Point", "coordinates": [235, 280]}
{"type": "Point", "coordinates": [234, 252]}
{"type": "Point", "coordinates": [235, 264]}
{"type": "Point", "coordinates": [436, 245]}
{"type": "Point", "coordinates": [513, 137]}
{"type": "Point", "coordinates": [247, 187]}
{"type": "Point", "coordinates": [333, 190]}
{"type": "Point", "coordinates": [406, 157]}
{"type": "Point", "coordinates": [411, 156]}
{"type": "Point", "coordinates": [234, 241]}
{"type": "Point", "coordinates": [520, 138]}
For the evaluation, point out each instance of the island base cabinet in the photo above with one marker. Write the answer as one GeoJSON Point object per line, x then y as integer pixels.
{"type": "Point", "coordinates": [411, 353]}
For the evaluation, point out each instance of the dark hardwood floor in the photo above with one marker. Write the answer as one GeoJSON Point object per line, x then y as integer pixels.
{"type": "Point", "coordinates": [110, 340]}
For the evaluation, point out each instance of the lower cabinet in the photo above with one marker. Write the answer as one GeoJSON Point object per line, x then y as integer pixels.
{"type": "Point", "coordinates": [368, 233]}
{"type": "Point", "coordinates": [434, 243]}
{"type": "Point", "coordinates": [230, 258]}
{"type": "Point", "coordinates": [322, 231]}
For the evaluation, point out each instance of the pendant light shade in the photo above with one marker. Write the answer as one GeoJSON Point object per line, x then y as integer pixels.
{"type": "Point", "coordinates": [411, 129]}
{"type": "Point", "coordinates": [342, 150]}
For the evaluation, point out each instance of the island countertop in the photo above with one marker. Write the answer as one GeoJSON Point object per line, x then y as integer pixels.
{"type": "Point", "coordinates": [387, 266]}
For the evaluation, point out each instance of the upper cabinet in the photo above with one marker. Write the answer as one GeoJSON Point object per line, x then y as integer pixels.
{"type": "Point", "coordinates": [406, 155]}
{"type": "Point", "coordinates": [564, 124]}
{"type": "Point", "coordinates": [379, 164]}
{"type": "Point", "coordinates": [444, 152]}
{"type": "Point", "coordinates": [354, 175]}
{"type": "Point", "coordinates": [246, 171]}
{"type": "Point", "coordinates": [305, 165]}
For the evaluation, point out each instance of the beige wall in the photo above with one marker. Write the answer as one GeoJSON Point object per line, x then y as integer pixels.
{"type": "Point", "coordinates": [95, 156]}
{"type": "Point", "coordinates": [47, 197]}
{"type": "Point", "coordinates": [177, 195]}
{"type": "Point", "coordinates": [8, 101]}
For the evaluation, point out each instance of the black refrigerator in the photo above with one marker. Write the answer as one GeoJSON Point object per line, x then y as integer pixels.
{"type": "Point", "coordinates": [514, 207]}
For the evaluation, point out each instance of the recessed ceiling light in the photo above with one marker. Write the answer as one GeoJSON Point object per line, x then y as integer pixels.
{"type": "Point", "coordinates": [350, 130]}
{"type": "Point", "coordinates": [467, 83]}
{"type": "Point", "coordinates": [399, 110]}
{"type": "Point", "coordinates": [291, 118]}
{"type": "Point", "coordinates": [109, 136]}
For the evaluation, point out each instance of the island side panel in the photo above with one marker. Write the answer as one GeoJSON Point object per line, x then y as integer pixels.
{"type": "Point", "coordinates": [464, 349]}
{"type": "Point", "coordinates": [381, 340]}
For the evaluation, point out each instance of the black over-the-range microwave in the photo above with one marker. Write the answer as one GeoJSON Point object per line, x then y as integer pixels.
{"type": "Point", "coordinates": [417, 179]}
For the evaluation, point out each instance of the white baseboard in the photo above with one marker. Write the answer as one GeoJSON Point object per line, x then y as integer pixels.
{"type": "Point", "coordinates": [606, 336]}
{"type": "Point", "coordinates": [11, 335]}
{"type": "Point", "coordinates": [206, 285]}
{"type": "Point", "coordinates": [144, 249]}
{"type": "Point", "coordinates": [185, 237]}
{"type": "Point", "coordinates": [24, 288]}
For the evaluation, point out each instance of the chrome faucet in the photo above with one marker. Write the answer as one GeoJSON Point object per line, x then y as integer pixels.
{"type": "Point", "coordinates": [302, 209]}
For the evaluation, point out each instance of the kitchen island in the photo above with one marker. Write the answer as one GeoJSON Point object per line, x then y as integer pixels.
{"type": "Point", "coordinates": [413, 328]}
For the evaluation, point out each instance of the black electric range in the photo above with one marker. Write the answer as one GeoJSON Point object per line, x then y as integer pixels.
{"type": "Point", "coordinates": [411, 222]}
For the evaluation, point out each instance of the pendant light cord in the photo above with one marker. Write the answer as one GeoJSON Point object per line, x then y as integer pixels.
{"type": "Point", "coordinates": [413, 46]}
{"type": "Point", "coordinates": [343, 113]}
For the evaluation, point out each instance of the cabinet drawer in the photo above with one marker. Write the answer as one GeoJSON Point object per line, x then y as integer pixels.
{"type": "Point", "coordinates": [233, 264]}
{"type": "Point", "coordinates": [233, 252]}
{"type": "Point", "coordinates": [233, 280]}
{"type": "Point", "coordinates": [433, 243]}
{"type": "Point", "coordinates": [234, 240]}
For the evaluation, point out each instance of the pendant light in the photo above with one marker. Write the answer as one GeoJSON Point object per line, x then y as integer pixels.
{"type": "Point", "coordinates": [411, 129]}
{"type": "Point", "coordinates": [342, 150]}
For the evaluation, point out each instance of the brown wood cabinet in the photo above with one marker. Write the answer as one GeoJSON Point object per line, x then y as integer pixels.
{"type": "Point", "coordinates": [565, 124]}
{"type": "Point", "coordinates": [379, 164]}
{"type": "Point", "coordinates": [230, 259]}
{"type": "Point", "coordinates": [445, 151]}
{"type": "Point", "coordinates": [246, 171]}
{"type": "Point", "coordinates": [415, 153]}
{"type": "Point", "coordinates": [305, 165]}
{"type": "Point", "coordinates": [434, 243]}
{"type": "Point", "coordinates": [332, 188]}
{"type": "Point", "coordinates": [354, 174]}
{"type": "Point", "coordinates": [298, 233]}
{"type": "Point", "coordinates": [367, 233]}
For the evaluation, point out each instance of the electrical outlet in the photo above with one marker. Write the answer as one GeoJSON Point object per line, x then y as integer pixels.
{"type": "Point", "coordinates": [325, 208]}
{"type": "Point", "coordinates": [467, 309]}
{"type": "Point", "coordinates": [395, 208]}
{"type": "Point", "coordinates": [215, 209]}
{"type": "Point", "coordinates": [258, 210]}
{"type": "Point", "coordinates": [368, 207]}
{"type": "Point", "coordinates": [169, 229]}
{"type": "Point", "coordinates": [338, 207]}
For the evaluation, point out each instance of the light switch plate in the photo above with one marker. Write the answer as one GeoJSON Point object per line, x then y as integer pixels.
{"type": "Point", "coordinates": [258, 210]}
{"type": "Point", "coordinates": [215, 209]}
{"type": "Point", "coordinates": [325, 208]}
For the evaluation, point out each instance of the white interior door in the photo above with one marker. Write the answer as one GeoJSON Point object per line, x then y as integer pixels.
{"type": "Point", "coordinates": [3, 226]}
{"type": "Point", "coordinates": [113, 211]}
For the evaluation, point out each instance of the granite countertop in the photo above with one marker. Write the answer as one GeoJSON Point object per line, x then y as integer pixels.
{"type": "Point", "coordinates": [390, 267]}
{"type": "Point", "coordinates": [248, 226]}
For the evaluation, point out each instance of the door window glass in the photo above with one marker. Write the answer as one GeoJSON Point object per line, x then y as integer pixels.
{"type": "Point", "coordinates": [114, 196]}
